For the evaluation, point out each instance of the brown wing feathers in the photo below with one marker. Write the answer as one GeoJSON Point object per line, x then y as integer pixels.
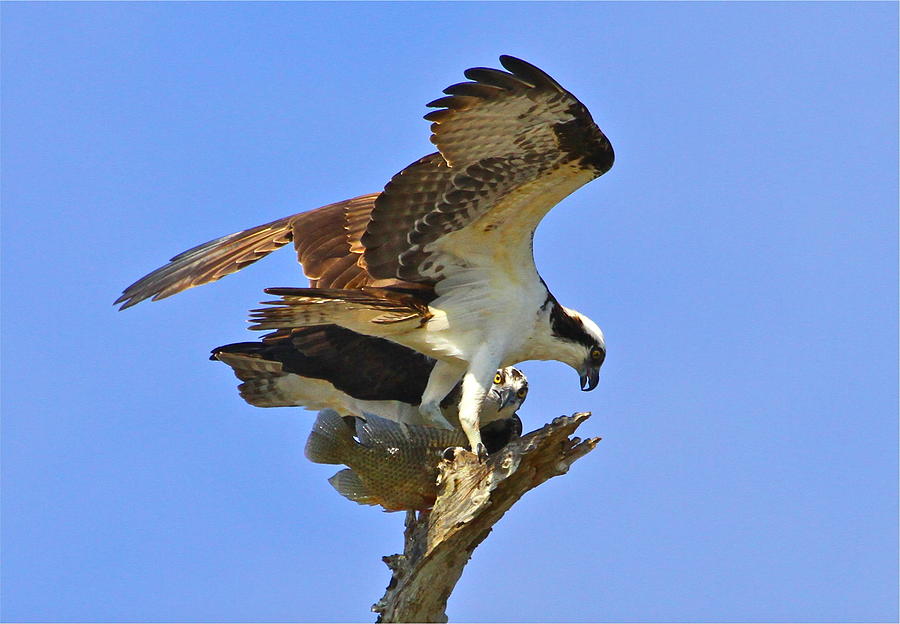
{"type": "Point", "coordinates": [322, 239]}
{"type": "Point", "coordinates": [500, 133]}
{"type": "Point", "coordinates": [208, 262]}
{"type": "Point", "coordinates": [495, 134]}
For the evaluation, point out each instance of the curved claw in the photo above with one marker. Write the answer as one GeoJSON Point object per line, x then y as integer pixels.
{"type": "Point", "coordinates": [449, 453]}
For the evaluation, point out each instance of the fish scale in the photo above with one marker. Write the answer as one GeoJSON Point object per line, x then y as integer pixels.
{"type": "Point", "coordinates": [391, 464]}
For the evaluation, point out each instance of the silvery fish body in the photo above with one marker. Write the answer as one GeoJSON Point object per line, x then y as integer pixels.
{"type": "Point", "coordinates": [391, 464]}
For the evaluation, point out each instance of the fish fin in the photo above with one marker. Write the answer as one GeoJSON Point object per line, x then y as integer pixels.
{"type": "Point", "coordinates": [331, 440]}
{"type": "Point", "coordinates": [348, 485]}
{"type": "Point", "coordinates": [375, 429]}
{"type": "Point", "coordinates": [381, 431]}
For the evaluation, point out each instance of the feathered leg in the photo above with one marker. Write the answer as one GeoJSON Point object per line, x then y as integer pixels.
{"type": "Point", "coordinates": [443, 378]}
{"type": "Point", "coordinates": [476, 383]}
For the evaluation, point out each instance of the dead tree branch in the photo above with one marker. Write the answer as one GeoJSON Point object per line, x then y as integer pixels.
{"type": "Point", "coordinates": [472, 497]}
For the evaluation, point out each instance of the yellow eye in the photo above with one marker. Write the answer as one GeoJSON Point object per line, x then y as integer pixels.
{"type": "Point", "coordinates": [522, 392]}
{"type": "Point", "coordinates": [596, 354]}
{"type": "Point", "coordinates": [498, 379]}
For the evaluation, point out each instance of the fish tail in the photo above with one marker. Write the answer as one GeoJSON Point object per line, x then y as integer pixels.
{"type": "Point", "coordinates": [331, 440]}
{"type": "Point", "coordinates": [349, 485]}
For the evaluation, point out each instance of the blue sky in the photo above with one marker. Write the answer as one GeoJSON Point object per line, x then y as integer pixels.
{"type": "Point", "coordinates": [741, 258]}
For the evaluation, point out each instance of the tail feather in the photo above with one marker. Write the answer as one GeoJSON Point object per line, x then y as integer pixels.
{"type": "Point", "coordinates": [280, 391]}
{"type": "Point", "coordinates": [249, 366]}
{"type": "Point", "coordinates": [349, 485]}
{"type": "Point", "coordinates": [331, 440]}
{"type": "Point", "coordinates": [262, 379]}
{"type": "Point", "coordinates": [303, 307]}
{"type": "Point", "coordinates": [301, 312]}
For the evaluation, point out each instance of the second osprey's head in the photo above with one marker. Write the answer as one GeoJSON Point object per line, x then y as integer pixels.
{"type": "Point", "coordinates": [509, 389]}
{"type": "Point", "coordinates": [580, 344]}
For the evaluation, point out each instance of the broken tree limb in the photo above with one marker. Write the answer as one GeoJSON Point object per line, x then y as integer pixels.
{"type": "Point", "coordinates": [472, 497]}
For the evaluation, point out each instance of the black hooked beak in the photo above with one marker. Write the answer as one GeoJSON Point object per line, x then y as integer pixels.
{"type": "Point", "coordinates": [507, 398]}
{"type": "Point", "coordinates": [590, 378]}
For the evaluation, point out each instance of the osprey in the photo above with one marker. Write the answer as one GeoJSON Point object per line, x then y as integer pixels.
{"type": "Point", "coordinates": [441, 261]}
{"type": "Point", "coordinates": [328, 367]}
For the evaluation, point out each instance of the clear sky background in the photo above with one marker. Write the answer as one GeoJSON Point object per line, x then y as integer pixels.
{"type": "Point", "coordinates": [741, 257]}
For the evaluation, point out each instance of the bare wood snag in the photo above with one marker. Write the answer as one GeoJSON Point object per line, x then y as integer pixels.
{"type": "Point", "coordinates": [472, 497]}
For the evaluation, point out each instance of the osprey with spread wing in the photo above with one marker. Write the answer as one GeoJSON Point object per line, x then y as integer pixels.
{"type": "Point", "coordinates": [441, 261]}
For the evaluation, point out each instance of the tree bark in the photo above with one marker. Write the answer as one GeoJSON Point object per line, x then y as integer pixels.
{"type": "Point", "coordinates": [472, 497]}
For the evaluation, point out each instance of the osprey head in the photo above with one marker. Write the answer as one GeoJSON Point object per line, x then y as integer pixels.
{"type": "Point", "coordinates": [583, 346]}
{"type": "Point", "coordinates": [509, 389]}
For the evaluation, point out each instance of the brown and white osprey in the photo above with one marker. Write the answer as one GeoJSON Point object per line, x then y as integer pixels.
{"type": "Point", "coordinates": [441, 260]}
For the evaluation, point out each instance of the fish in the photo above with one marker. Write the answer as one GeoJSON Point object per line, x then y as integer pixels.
{"type": "Point", "coordinates": [392, 464]}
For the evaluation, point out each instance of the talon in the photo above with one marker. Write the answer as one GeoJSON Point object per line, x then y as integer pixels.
{"type": "Point", "coordinates": [481, 451]}
{"type": "Point", "coordinates": [449, 453]}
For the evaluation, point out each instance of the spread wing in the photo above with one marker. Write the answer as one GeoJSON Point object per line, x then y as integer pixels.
{"type": "Point", "coordinates": [511, 145]}
{"type": "Point", "coordinates": [326, 241]}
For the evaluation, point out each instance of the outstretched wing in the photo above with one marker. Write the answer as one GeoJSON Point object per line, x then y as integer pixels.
{"type": "Point", "coordinates": [512, 145]}
{"type": "Point", "coordinates": [326, 240]}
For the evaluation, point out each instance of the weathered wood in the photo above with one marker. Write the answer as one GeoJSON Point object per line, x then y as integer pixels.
{"type": "Point", "coordinates": [472, 497]}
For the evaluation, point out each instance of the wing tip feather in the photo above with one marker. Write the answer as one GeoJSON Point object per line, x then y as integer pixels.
{"type": "Point", "coordinates": [528, 72]}
{"type": "Point", "coordinates": [487, 83]}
